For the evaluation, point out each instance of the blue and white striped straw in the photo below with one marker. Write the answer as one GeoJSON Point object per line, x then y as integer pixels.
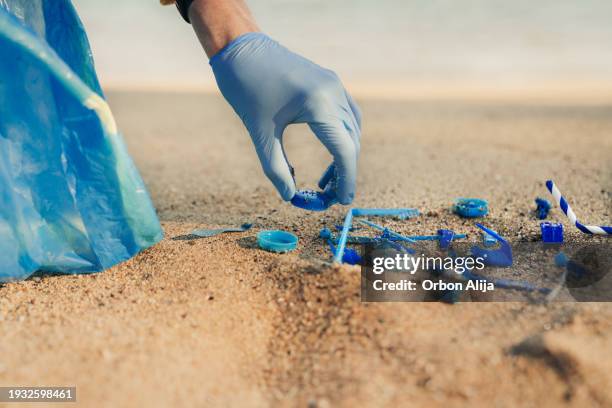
{"type": "Point", "coordinates": [587, 229]}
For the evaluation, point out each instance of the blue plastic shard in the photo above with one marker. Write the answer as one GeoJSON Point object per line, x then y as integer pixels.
{"type": "Point", "coordinates": [552, 233]}
{"type": "Point", "coordinates": [326, 233]}
{"type": "Point", "coordinates": [71, 199]}
{"type": "Point", "coordinates": [350, 255]}
{"type": "Point", "coordinates": [543, 207]}
{"type": "Point", "coordinates": [471, 207]}
{"type": "Point", "coordinates": [205, 233]}
{"type": "Point", "coordinates": [501, 257]}
{"type": "Point", "coordinates": [446, 237]}
{"type": "Point", "coordinates": [277, 241]}
{"type": "Point", "coordinates": [488, 240]}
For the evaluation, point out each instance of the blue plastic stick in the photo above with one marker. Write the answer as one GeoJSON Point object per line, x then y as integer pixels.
{"type": "Point", "coordinates": [401, 213]}
{"type": "Point", "coordinates": [387, 230]}
{"type": "Point", "coordinates": [348, 220]}
{"type": "Point", "coordinates": [433, 237]}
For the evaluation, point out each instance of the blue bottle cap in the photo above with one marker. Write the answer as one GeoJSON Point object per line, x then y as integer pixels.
{"type": "Point", "coordinates": [277, 241]}
{"type": "Point", "coordinates": [471, 207]}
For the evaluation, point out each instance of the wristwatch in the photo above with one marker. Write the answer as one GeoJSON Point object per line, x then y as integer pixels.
{"type": "Point", "coordinates": [183, 8]}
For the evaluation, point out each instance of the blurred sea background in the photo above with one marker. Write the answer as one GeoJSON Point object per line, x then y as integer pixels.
{"type": "Point", "coordinates": [386, 48]}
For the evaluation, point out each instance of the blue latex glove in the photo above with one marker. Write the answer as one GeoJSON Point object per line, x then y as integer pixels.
{"type": "Point", "coordinates": [270, 87]}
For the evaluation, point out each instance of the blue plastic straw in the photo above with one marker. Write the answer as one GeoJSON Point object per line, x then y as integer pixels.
{"type": "Point", "coordinates": [348, 220]}
{"type": "Point", "coordinates": [401, 213]}
{"type": "Point", "coordinates": [387, 230]}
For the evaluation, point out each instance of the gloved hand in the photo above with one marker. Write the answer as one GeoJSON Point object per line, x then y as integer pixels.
{"type": "Point", "coordinates": [270, 87]}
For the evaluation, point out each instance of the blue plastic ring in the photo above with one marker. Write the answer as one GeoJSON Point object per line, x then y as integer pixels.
{"type": "Point", "coordinates": [471, 207]}
{"type": "Point", "coordinates": [277, 241]}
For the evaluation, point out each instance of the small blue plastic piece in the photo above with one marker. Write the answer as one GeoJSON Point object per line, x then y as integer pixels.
{"type": "Point", "coordinates": [543, 208]}
{"type": "Point", "coordinates": [314, 200]}
{"type": "Point", "coordinates": [350, 255]}
{"type": "Point", "coordinates": [552, 233]}
{"type": "Point", "coordinates": [494, 257]}
{"type": "Point", "coordinates": [367, 212]}
{"type": "Point", "coordinates": [206, 233]}
{"type": "Point", "coordinates": [387, 233]}
{"type": "Point", "coordinates": [277, 241]}
{"type": "Point", "coordinates": [561, 260]}
{"type": "Point", "coordinates": [446, 237]}
{"type": "Point", "coordinates": [488, 240]}
{"type": "Point", "coordinates": [326, 233]}
{"type": "Point", "coordinates": [471, 207]}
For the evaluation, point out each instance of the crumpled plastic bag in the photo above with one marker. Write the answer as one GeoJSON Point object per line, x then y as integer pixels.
{"type": "Point", "coordinates": [71, 199]}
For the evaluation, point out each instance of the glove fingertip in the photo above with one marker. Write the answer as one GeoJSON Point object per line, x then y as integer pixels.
{"type": "Point", "coordinates": [346, 199]}
{"type": "Point", "coordinates": [286, 191]}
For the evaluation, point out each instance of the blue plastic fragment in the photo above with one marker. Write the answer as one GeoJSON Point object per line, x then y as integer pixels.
{"type": "Point", "coordinates": [471, 207]}
{"type": "Point", "coordinates": [326, 233]}
{"type": "Point", "coordinates": [552, 233]}
{"type": "Point", "coordinates": [314, 200]}
{"type": "Point", "coordinates": [561, 260]}
{"type": "Point", "coordinates": [446, 237]}
{"type": "Point", "coordinates": [501, 257]}
{"type": "Point", "coordinates": [350, 255]}
{"type": "Point", "coordinates": [543, 207]}
{"type": "Point", "coordinates": [488, 240]}
{"type": "Point", "coordinates": [205, 233]}
{"type": "Point", "coordinates": [277, 241]}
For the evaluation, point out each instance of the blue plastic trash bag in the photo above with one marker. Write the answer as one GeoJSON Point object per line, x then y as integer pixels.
{"type": "Point", "coordinates": [71, 200]}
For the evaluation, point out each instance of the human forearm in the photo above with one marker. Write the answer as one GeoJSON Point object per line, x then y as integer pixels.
{"type": "Point", "coordinates": [218, 22]}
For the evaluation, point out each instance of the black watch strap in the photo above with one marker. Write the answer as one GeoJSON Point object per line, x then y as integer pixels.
{"type": "Point", "coordinates": [183, 8]}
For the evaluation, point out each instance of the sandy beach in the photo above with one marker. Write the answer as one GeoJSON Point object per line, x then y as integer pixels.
{"type": "Point", "coordinates": [219, 322]}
